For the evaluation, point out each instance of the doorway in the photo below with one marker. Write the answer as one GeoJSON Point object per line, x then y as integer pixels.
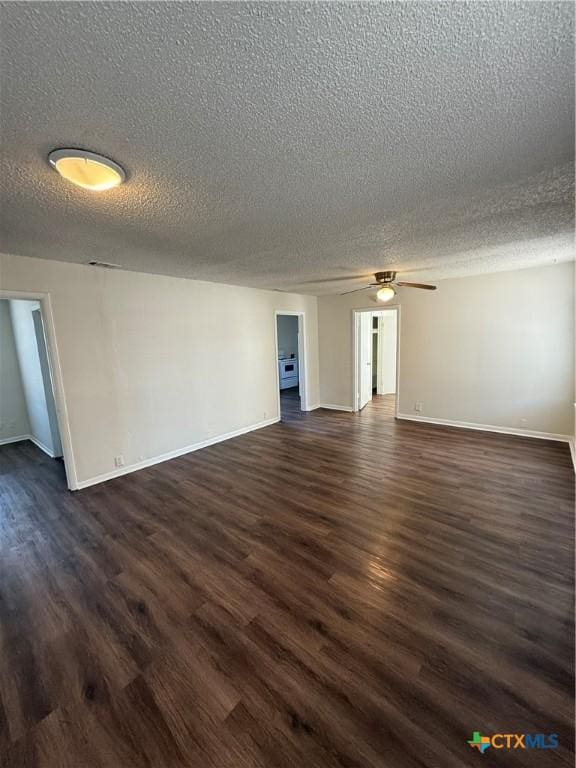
{"type": "Point", "coordinates": [290, 364]}
{"type": "Point", "coordinates": [33, 419]}
{"type": "Point", "coordinates": [376, 358]}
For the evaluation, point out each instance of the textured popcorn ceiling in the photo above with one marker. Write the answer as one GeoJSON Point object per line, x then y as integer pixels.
{"type": "Point", "coordinates": [284, 145]}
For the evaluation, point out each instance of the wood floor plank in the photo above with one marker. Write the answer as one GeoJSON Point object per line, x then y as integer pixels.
{"type": "Point", "coordinates": [334, 591]}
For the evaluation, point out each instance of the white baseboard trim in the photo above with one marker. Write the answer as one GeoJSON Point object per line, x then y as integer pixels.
{"type": "Point", "coordinates": [42, 447]}
{"type": "Point", "coordinates": [172, 454]}
{"type": "Point", "coordinates": [572, 443]}
{"type": "Point", "coordinates": [332, 407]}
{"type": "Point", "coordinates": [32, 439]}
{"type": "Point", "coordinates": [16, 439]}
{"type": "Point", "coordinates": [486, 428]}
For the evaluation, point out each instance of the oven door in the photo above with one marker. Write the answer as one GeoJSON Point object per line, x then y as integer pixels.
{"type": "Point", "coordinates": [288, 369]}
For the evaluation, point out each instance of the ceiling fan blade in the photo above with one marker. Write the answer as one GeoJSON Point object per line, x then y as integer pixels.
{"type": "Point", "coordinates": [417, 285]}
{"type": "Point", "coordinates": [346, 278]}
{"type": "Point", "coordinates": [356, 290]}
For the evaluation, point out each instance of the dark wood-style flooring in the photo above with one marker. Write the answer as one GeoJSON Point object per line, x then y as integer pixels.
{"type": "Point", "coordinates": [334, 590]}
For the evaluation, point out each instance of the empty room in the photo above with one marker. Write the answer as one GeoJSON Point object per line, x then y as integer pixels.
{"type": "Point", "coordinates": [287, 384]}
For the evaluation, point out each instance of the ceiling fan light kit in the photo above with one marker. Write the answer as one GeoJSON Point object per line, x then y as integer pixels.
{"type": "Point", "coordinates": [386, 293]}
{"type": "Point", "coordinates": [385, 282]}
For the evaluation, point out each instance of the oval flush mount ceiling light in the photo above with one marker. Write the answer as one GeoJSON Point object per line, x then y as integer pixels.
{"type": "Point", "coordinates": [87, 169]}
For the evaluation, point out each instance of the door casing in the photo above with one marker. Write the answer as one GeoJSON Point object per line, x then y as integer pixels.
{"type": "Point", "coordinates": [56, 376]}
{"type": "Point", "coordinates": [356, 356]}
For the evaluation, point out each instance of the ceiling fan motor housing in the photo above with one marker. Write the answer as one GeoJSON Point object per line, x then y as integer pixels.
{"type": "Point", "coordinates": [385, 277]}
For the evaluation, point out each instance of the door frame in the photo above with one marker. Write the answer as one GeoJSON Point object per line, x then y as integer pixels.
{"type": "Point", "coordinates": [356, 353]}
{"type": "Point", "coordinates": [302, 361]}
{"type": "Point", "coordinates": [364, 319]}
{"type": "Point", "coordinates": [45, 302]}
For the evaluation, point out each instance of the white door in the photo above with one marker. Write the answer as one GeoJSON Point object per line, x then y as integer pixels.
{"type": "Point", "coordinates": [365, 359]}
{"type": "Point", "coordinates": [47, 381]}
{"type": "Point", "coordinates": [387, 339]}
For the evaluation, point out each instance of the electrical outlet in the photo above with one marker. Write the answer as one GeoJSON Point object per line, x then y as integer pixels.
{"type": "Point", "coordinates": [418, 405]}
{"type": "Point", "coordinates": [119, 461]}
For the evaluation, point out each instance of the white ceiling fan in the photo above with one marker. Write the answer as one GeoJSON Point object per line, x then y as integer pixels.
{"type": "Point", "coordinates": [385, 282]}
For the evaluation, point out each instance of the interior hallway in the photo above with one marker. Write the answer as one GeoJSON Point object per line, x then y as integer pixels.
{"type": "Point", "coordinates": [336, 589]}
{"type": "Point", "coordinates": [290, 404]}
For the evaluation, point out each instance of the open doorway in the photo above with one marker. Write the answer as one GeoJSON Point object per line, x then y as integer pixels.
{"type": "Point", "coordinates": [376, 359]}
{"type": "Point", "coordinates": [291, 364]}
{"type": "Point", "coordinates": [28, 412]}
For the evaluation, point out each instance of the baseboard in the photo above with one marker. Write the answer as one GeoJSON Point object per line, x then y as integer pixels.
{"type": "Point", "coordinates": [32, 439]}
{"type": "Point", "coordinates": [17, 439]}
{"type": "Point", "coordinates": [42, 447]}
{"type": "Point", "coordinates": [572, 443]}
{"type": "Point", "coordinates": [332, 407]}
{"type": "Point", "coordinates": [172, 454]}
{"type": "Point", "coordinates": [486, 428]}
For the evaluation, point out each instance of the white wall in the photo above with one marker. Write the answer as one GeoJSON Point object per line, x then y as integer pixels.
{"type": "Point", "coordinates": [13, 414]}
{"type": "Point", "coordinates": [493, 350]}
{"type": "Point", "coordinates": [288, 335]}
{"type": "Point", "coordinates": [32, 378]}
{"type": "Point", "coordinates": [153, 365]}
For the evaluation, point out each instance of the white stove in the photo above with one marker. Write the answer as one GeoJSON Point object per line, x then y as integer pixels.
{"type": "Point", "coordinates": [288, 372]}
